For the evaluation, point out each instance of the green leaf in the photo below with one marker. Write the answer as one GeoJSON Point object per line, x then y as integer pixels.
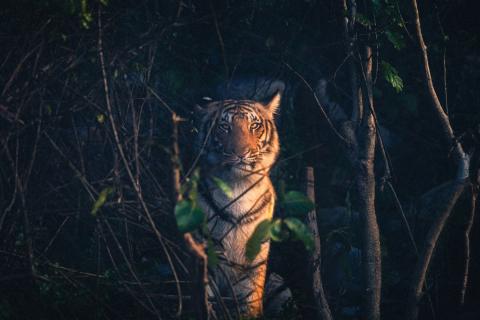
{"type": "Point", "coordinates": [260, 234]}
{"type": "Point", "coordinates": [188, 216]}
{"type": "Point", "coordinates": [100, 118]}
{"type": "Point", "coordinates": [86, 15]}
{"type": "Point", "coordinates": [392, 77]}
{"type": "Point", "coordinates": [297, 204]}
{"type": "Point", "coordinates": [300, 231]}
{"type": "Point", "coordinates": [222, 185]}
{"type": "Point", "coordinates": [102, 198]}
{"type": "Point", "coordinates": [363, 20]}
{"type": "Point", "coordinates": [277, 232]}
{"type": "Point", "coordinates": [396, 39]}
{"type": "Point", "coordinates": [191, 187]}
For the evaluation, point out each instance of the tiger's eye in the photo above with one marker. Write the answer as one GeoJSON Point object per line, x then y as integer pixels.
{"type": "Point", "coordinates": [224, 126]}
{"type": "Point", "coordinates": [255, 126]}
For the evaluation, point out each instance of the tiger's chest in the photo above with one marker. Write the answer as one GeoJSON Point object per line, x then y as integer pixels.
{"type": "Point", "coordinates": [243, 211]}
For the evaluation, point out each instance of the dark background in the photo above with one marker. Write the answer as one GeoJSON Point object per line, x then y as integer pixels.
{"type": "Point", "coordinates": [58, 261]}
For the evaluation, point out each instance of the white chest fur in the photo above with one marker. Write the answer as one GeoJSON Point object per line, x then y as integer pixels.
{"type": "Point", "coordinates": [247, 195]}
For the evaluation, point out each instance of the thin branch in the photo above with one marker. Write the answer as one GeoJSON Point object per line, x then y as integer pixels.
{"type": "Point", "coordinates": [466, 236]}
{"type": "Point", "coordinates": [200, 274]}
{"type": "Point", "coordinates": [125, 161]}
{"type": "Point", "coordinates": [317, 100]}
{"type": "Point", "coordinates": [220, 39]}
{"type": "Point", "coordinates": [440, 112]}
{"type": "Point", "coordinates": [463, 166]}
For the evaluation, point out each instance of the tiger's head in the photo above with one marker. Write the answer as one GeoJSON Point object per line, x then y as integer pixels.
{"type": "Point", "coordinates": [239, 136]}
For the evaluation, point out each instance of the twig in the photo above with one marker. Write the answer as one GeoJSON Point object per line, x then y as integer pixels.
{"type": "Point", "coordinates": [200, 274]}
{"type": "Point", "coordinates": [466, 237]}
{"type": "Point", "coordinates": [322, 110]}
{"type": "Point", "coordinates": [130, 268]}
{"type": "Point", "coordinates": [125, 162]}
{"type": "Point", "coordinates": [220, 39]}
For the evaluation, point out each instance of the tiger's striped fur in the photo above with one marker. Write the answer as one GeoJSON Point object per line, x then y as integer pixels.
{"type": "Point", "coordinates": [239, 144]}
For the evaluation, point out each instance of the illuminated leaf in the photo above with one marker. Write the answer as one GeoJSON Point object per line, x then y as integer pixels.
{"type": "Point", "coordinates": [100, 118]}
{"type": "Point", "coordinates": [277, 231]}
{"type": "Point", "coordinates": [363, 20]}
{"type": "Point", "coordinates": [188, 216]}
{"type": "Point", "coordinates": [392, 77]}
{"type": "Point", "coordinates": [254, 243]}
{"type": "Point", "coordinates": [300, 231]}
{"type": "Point", "coordinates": [297, 204]}
{"type": "Point", "coordinates": [222, 185]}
{"type": "Point", "coordinates": [102, 198]}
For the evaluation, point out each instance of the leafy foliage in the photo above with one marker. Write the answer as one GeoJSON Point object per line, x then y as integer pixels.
{"type": "Point", "coordinates": [396, 38]}
{"type": "Point", "coordinates": [391, 76]}
{"type": "Point", "coordinates": [222, 185]}
{"type": "Point", "coordinates": [300, 231]}
{"type": "Point", "coordinates": [261, 234]}
{"type": "Point", "coordinates": [102, 198]}
{"type": "Point", "coordinates": [296, 203]}
{"type": "Point", "coordinates": [188, 215]}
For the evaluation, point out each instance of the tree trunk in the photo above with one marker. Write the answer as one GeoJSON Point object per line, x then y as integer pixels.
{"type": "Point", "coordinates": [323, 310]}
{"type": "Point", "coordinates": [365, 183]}
{"type": "Point", "coordinates": [462, 160]}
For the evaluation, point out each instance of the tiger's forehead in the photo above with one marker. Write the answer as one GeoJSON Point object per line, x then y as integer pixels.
{"type": "Point", "coordinates": [242, 109]}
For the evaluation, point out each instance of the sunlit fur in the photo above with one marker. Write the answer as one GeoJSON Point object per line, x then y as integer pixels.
{"type": "Point", "coordinates": [239, 144]}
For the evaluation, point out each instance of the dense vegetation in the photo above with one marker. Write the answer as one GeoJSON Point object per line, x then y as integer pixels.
{"type": "Point", "coordinates": [87, 198]}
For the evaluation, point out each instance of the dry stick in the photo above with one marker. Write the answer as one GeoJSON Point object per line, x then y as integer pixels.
{"type": "Point", "coordinates": [23, 190]}
{"type": "Point", "coordinates": [323, 310]}
{"type": "Point", "coordinates": [44, 253]}
{"type": "Point", "coordinates": [466, 235]}
{"type": "Point", "coordinates": [200, 274]}
{"type": "Point", "coordinates": [87, 186]}
{"type": "Point", "coordinates": [131, 268]}
{"type": "Point", "coordinates": [463, 162]}
{"type": "Point", "coordinates": [9, 207]}
{"type": "Point", "coordinates": [14, 162]}
{"type": "Point", "coordinates": [125, 162]}
{"type": "Point", "coordinates": [117, 270]}
{"type": "Point", "coordinates": [220, 39]}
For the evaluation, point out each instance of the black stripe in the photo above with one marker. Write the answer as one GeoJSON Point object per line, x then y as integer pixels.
{"type": "Point", "coordinates": [217, 211]}
{"type": "Point", "coordinates": [251, 214]}
{"type": "Point", "coordinates": [268, 124]}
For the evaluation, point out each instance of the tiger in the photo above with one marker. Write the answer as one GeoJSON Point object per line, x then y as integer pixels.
{"type": "Point", "coordinates": [238, 144]}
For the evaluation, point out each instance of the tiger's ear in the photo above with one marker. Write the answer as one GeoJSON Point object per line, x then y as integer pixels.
{"type": "Point", "coordinates": [274, 104]}
{"type": "Point", "coordinates": [206, 111]}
